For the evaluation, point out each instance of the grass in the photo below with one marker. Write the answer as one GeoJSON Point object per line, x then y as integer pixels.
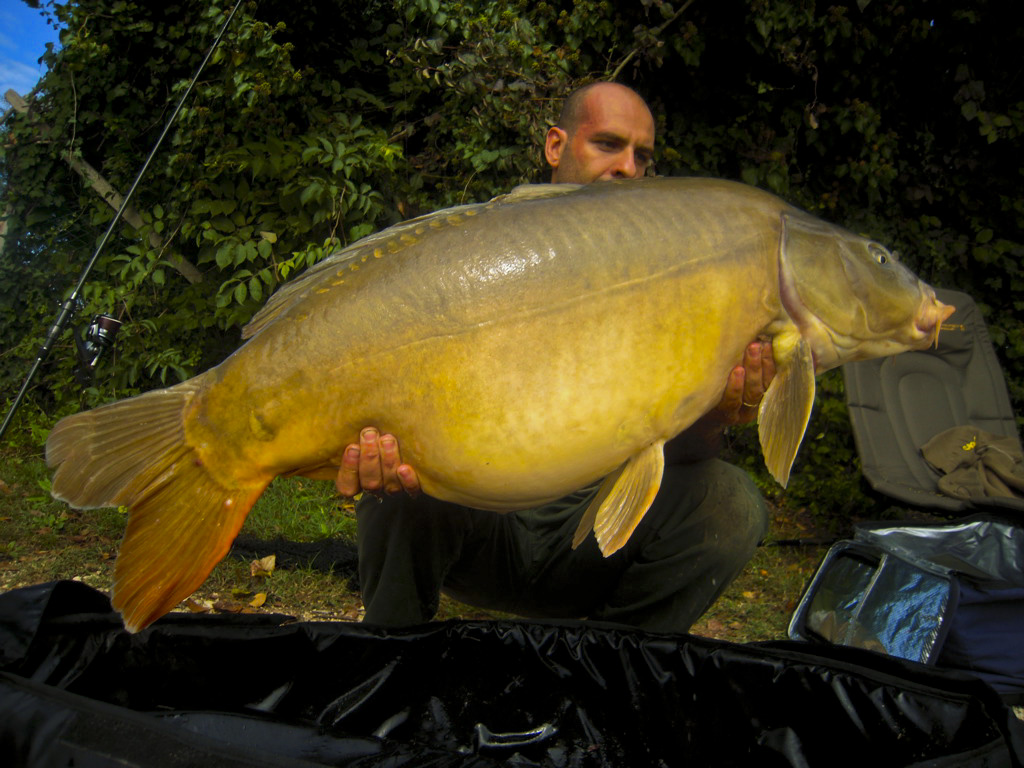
{"type": "Point", "coordinates": [42, 540]}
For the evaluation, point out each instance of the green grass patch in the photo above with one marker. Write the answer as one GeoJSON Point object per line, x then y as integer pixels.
{"type": "Point", "coordinates": [299, 509]}
{"type": "Point", "coordinates": [758, 604]}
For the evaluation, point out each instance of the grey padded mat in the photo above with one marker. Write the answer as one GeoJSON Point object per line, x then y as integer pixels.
{"type": "Point", "coordinates": [897, 404]}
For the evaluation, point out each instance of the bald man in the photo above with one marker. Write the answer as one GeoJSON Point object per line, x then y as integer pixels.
{"type": "Point", "coordinates": [699, 533]}
{"type": "Point", "coordinates": [605, 131]}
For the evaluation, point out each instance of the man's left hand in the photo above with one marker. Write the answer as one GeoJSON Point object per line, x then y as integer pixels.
{"type": "Point", "coordinates": [746, 386]}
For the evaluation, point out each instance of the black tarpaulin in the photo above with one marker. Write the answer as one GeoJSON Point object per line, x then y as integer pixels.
{"type": "Point", "coordinates": [75, 689]}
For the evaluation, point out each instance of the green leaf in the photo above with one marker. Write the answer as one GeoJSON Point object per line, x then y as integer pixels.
{"type": "Point", "coordinates": [225, 255]}
{"type": "Point", "coordinates": [313, 190]}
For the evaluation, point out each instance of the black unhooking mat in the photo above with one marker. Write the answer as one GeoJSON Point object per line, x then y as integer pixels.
{"type": "Point", "coordinates": [194, 690]}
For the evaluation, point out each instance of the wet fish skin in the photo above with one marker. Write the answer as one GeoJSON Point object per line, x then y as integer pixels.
{"type": "Point", "coordinates": [519, 349]}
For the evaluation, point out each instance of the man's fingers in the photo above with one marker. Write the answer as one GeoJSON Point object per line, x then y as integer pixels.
{"type": "Point", "coordinates": [767, 364]}
{"type": "Point", "coordinates": [375, 465]}
{"type": "Point", "coordinates": [398, 477]}
{"type": "Point", "coordinates": [347, 481]}
{"type": "Point", "coordinates": [409, 479]}
{"type": "Point", "coordinates": [759, 368]}
{"type": "Point", "coordinates": [733, 397]}
{"type": "Point", "coordinates": [389, 461]}
{"type": "Point", "coordinates": [752, 390]}
{"type": "Point", "coordinates": [370, 474]}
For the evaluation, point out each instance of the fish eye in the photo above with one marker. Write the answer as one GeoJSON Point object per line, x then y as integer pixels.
{"type": "Point", "coordinates": [881, 255]}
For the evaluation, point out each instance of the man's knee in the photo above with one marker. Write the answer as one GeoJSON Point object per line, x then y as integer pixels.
{"type": "Point", "coordinates": [739, 500]}
{"type": "Point", "coordinates": [716, 496]}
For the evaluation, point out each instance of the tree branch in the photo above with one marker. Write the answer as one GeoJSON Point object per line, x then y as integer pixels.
{"type": "Point", "coordinates": [113, 198]}
{"type": "Point", "coordinates": [622, 64]}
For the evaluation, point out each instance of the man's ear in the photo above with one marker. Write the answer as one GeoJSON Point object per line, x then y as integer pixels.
{"type": "Point", "coordinates": [554, 145]}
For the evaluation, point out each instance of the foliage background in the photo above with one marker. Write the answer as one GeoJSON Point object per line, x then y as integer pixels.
{"type": "Point", "coordinates": [319, 122]}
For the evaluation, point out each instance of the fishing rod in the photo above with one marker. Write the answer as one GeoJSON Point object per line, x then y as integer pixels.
{"type": "Point", "coordinates": [68, 307]}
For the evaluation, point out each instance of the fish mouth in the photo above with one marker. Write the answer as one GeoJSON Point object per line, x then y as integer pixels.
{"type": "Point", "coordinates": [929, 318]}
{"type": "Point", "coordinates": [920, 331]}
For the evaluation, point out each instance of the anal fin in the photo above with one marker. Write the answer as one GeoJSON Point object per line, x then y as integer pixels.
{"type": "Point", "coordinates": [785, 411]}
{"type": "Point", "coordinates": [623, 500]}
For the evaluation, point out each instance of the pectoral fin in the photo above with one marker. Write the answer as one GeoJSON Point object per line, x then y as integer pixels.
{"type": "Point", "coordinates": [785, 411]}
{"type": "Point", "coordinates": [623, 499]}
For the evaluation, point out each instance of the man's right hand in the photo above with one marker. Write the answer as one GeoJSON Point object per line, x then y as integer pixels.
{"type": "Point", "coordinates": [374, 465]}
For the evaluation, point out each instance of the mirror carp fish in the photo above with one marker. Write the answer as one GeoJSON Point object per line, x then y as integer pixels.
{"type": "Point", "coordinates": [519, 349]}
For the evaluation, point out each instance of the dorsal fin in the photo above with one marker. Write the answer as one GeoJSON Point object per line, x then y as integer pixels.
{"type": "Point", "coordinates": [535, 192]}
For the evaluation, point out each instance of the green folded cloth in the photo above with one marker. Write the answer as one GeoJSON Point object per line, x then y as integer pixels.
{"type": "Point", "coordinates": [975, 463]}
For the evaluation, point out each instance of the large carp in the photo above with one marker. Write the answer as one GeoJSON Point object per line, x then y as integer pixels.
{"type": "Point", "coordinates": [519, 349]}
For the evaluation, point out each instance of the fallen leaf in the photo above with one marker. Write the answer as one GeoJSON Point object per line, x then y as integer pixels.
{"type": "Point", "coordinates": [260, 599]}
{"type": "Point", "coordinates": [227, 606]}
{"type": "Point", "coordinates": [196, 607]}
{"type": "Point", "coordinates": [264, 566]}
{"type": "Point", "coordinates": [750, 595]}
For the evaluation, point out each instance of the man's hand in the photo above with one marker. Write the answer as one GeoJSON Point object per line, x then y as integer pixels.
{"type": "Point", "coordinates": [744, 389]}
{"type": "Point", "coordinates": [374, 465]}
{"type": "Point", "coordinates": [746, 386]}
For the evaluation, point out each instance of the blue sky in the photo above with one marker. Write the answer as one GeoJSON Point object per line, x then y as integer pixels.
{"type": "Point", "coordinates": [24, 34]}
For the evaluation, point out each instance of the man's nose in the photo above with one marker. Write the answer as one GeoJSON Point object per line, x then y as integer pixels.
{"type": "Point", "coordinates": [625, 165]}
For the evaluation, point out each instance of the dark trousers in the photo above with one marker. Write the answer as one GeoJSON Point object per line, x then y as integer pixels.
{"type": "Point", "coordinates": [699, 533]}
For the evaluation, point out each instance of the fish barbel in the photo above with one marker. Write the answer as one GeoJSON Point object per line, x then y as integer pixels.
{"type": "Point", "coordinates": [519, 349]}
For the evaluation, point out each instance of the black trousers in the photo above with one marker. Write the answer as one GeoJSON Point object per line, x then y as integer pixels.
{"type": "Point", "coordinates": [699, 533]}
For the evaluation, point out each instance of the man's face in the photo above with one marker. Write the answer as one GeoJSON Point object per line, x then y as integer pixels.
{"type": "Point", "coordinates": [613, 140]}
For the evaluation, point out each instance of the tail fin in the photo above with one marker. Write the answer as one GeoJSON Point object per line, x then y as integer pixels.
{"type": "Point", "coordinates": [182, 520]}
